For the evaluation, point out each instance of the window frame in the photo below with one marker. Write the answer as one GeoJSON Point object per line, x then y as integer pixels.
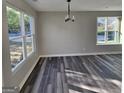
{"type": "Point", "coordinates": [32, 34]}
{"type": "Point", "coordinates": [23, 37]}
{"type": "Point", "coordinates": [105, 42]}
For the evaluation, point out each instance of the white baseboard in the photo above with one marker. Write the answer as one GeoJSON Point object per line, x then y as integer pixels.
{"type": "Point", "coordinates": [80, 54]}
{"type": "Point", "coordinates": [28, 73]}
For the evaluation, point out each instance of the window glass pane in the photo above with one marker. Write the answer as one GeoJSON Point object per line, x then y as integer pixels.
{"type": "Point", "coordinates": [13, 22]}
{"type": "Point", "coordinates": [101, 29]}
{"type": "Point", "coordinates": [101, 37]}
{"type": "Point", "coordinates": [111, 36]}
{"type": "Point", "coordinates": [16, 51]}
{"type": "Point", "coordinates": [113, 29]}
{"type": "Point", "coordinates": [27, 22]}
{"type": "Point", "coordinates": [29, 46]}
{"type": "Point", "coordinates": [120, 30]}
{"type": "Point", "coordinates": [100, 24]}
{"type": "Point", "coordinates": [112, 24]}
{"type": "Point", "coordinates": [15, 40]}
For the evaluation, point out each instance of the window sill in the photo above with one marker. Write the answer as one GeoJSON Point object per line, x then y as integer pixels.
{"type": "Point", "coordinates": [109, 44]}
{"type": "Point", "coordinates": [19, 65]}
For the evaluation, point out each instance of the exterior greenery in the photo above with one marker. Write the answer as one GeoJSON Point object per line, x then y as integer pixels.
{"type": "Point", "coordinates": [14, 21]}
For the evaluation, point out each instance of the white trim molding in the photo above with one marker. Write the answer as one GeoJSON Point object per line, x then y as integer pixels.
{"type": "Point", "coordinates": [28, 74]}
{"type": "Point", "coordinates": [80, 54]}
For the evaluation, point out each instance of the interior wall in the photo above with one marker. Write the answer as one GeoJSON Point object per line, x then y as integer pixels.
{"type": "Point", "coordinates": [16, 77]}
{"type": "Point", "coordinates": [6, 69]}
{"type": "Point", "coordinates": [55, 37]}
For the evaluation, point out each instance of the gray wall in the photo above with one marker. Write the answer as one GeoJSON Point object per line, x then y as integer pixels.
{"type": "Point", "coordinates": [55, 37]}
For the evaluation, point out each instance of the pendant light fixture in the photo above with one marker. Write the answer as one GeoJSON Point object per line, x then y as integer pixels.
{"type": "Point", "coordinates": [68, 17]}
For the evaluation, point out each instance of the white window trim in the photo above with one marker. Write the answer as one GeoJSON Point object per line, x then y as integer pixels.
{"type": "Point", "coordinates": [25, 55]}
{"type": "Point", "coordinates": [106, 41]}
{"type": "Point", "coordinates": [20, 64]}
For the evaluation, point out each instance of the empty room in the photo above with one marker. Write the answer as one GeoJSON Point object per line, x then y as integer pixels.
{"type": "Point", "coordinates": [62, 46]}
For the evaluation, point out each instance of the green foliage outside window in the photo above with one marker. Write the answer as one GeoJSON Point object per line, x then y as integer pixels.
{"type": "Point", "coordinates": [14, 20]}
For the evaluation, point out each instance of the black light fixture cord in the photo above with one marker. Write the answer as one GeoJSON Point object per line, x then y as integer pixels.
{"type": "Point", "coordinates": [69, 12]}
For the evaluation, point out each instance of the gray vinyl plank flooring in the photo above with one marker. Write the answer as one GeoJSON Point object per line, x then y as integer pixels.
{"type": "Point", "coordinates": [82, 74]}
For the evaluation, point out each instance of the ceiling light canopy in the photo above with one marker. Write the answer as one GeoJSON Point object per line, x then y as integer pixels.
{"type": "Point", "coordinates": [69, 17]}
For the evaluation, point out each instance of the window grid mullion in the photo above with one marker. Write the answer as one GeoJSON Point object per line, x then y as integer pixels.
{"type": "Point", "coordinates": [106, 30]}
{"type": "Point", "coordinates": [33, 47]}
{"type": "Point", "coordinates": [119, 29]}
{"type": "Point", "coordinates": [33, 36]}
{"type": "Point", "coordinates": [115, 37]}
{"type": "Point", "coordinates": [23, 34]}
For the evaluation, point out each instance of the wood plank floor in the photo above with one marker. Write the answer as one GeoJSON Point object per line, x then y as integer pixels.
{"type": "Point", "coordinates": [80, 74]}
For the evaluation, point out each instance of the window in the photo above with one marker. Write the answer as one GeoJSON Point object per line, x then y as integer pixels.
{"type": "Point", "coordinates": [28, 34]}
{"type": "Point", "coordinates": [21, 35]}
{"type": "Point", "coordinates": [109, 30]}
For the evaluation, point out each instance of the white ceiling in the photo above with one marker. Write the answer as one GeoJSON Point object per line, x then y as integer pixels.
{"type": "Point", "coordinates": [76, 5]}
